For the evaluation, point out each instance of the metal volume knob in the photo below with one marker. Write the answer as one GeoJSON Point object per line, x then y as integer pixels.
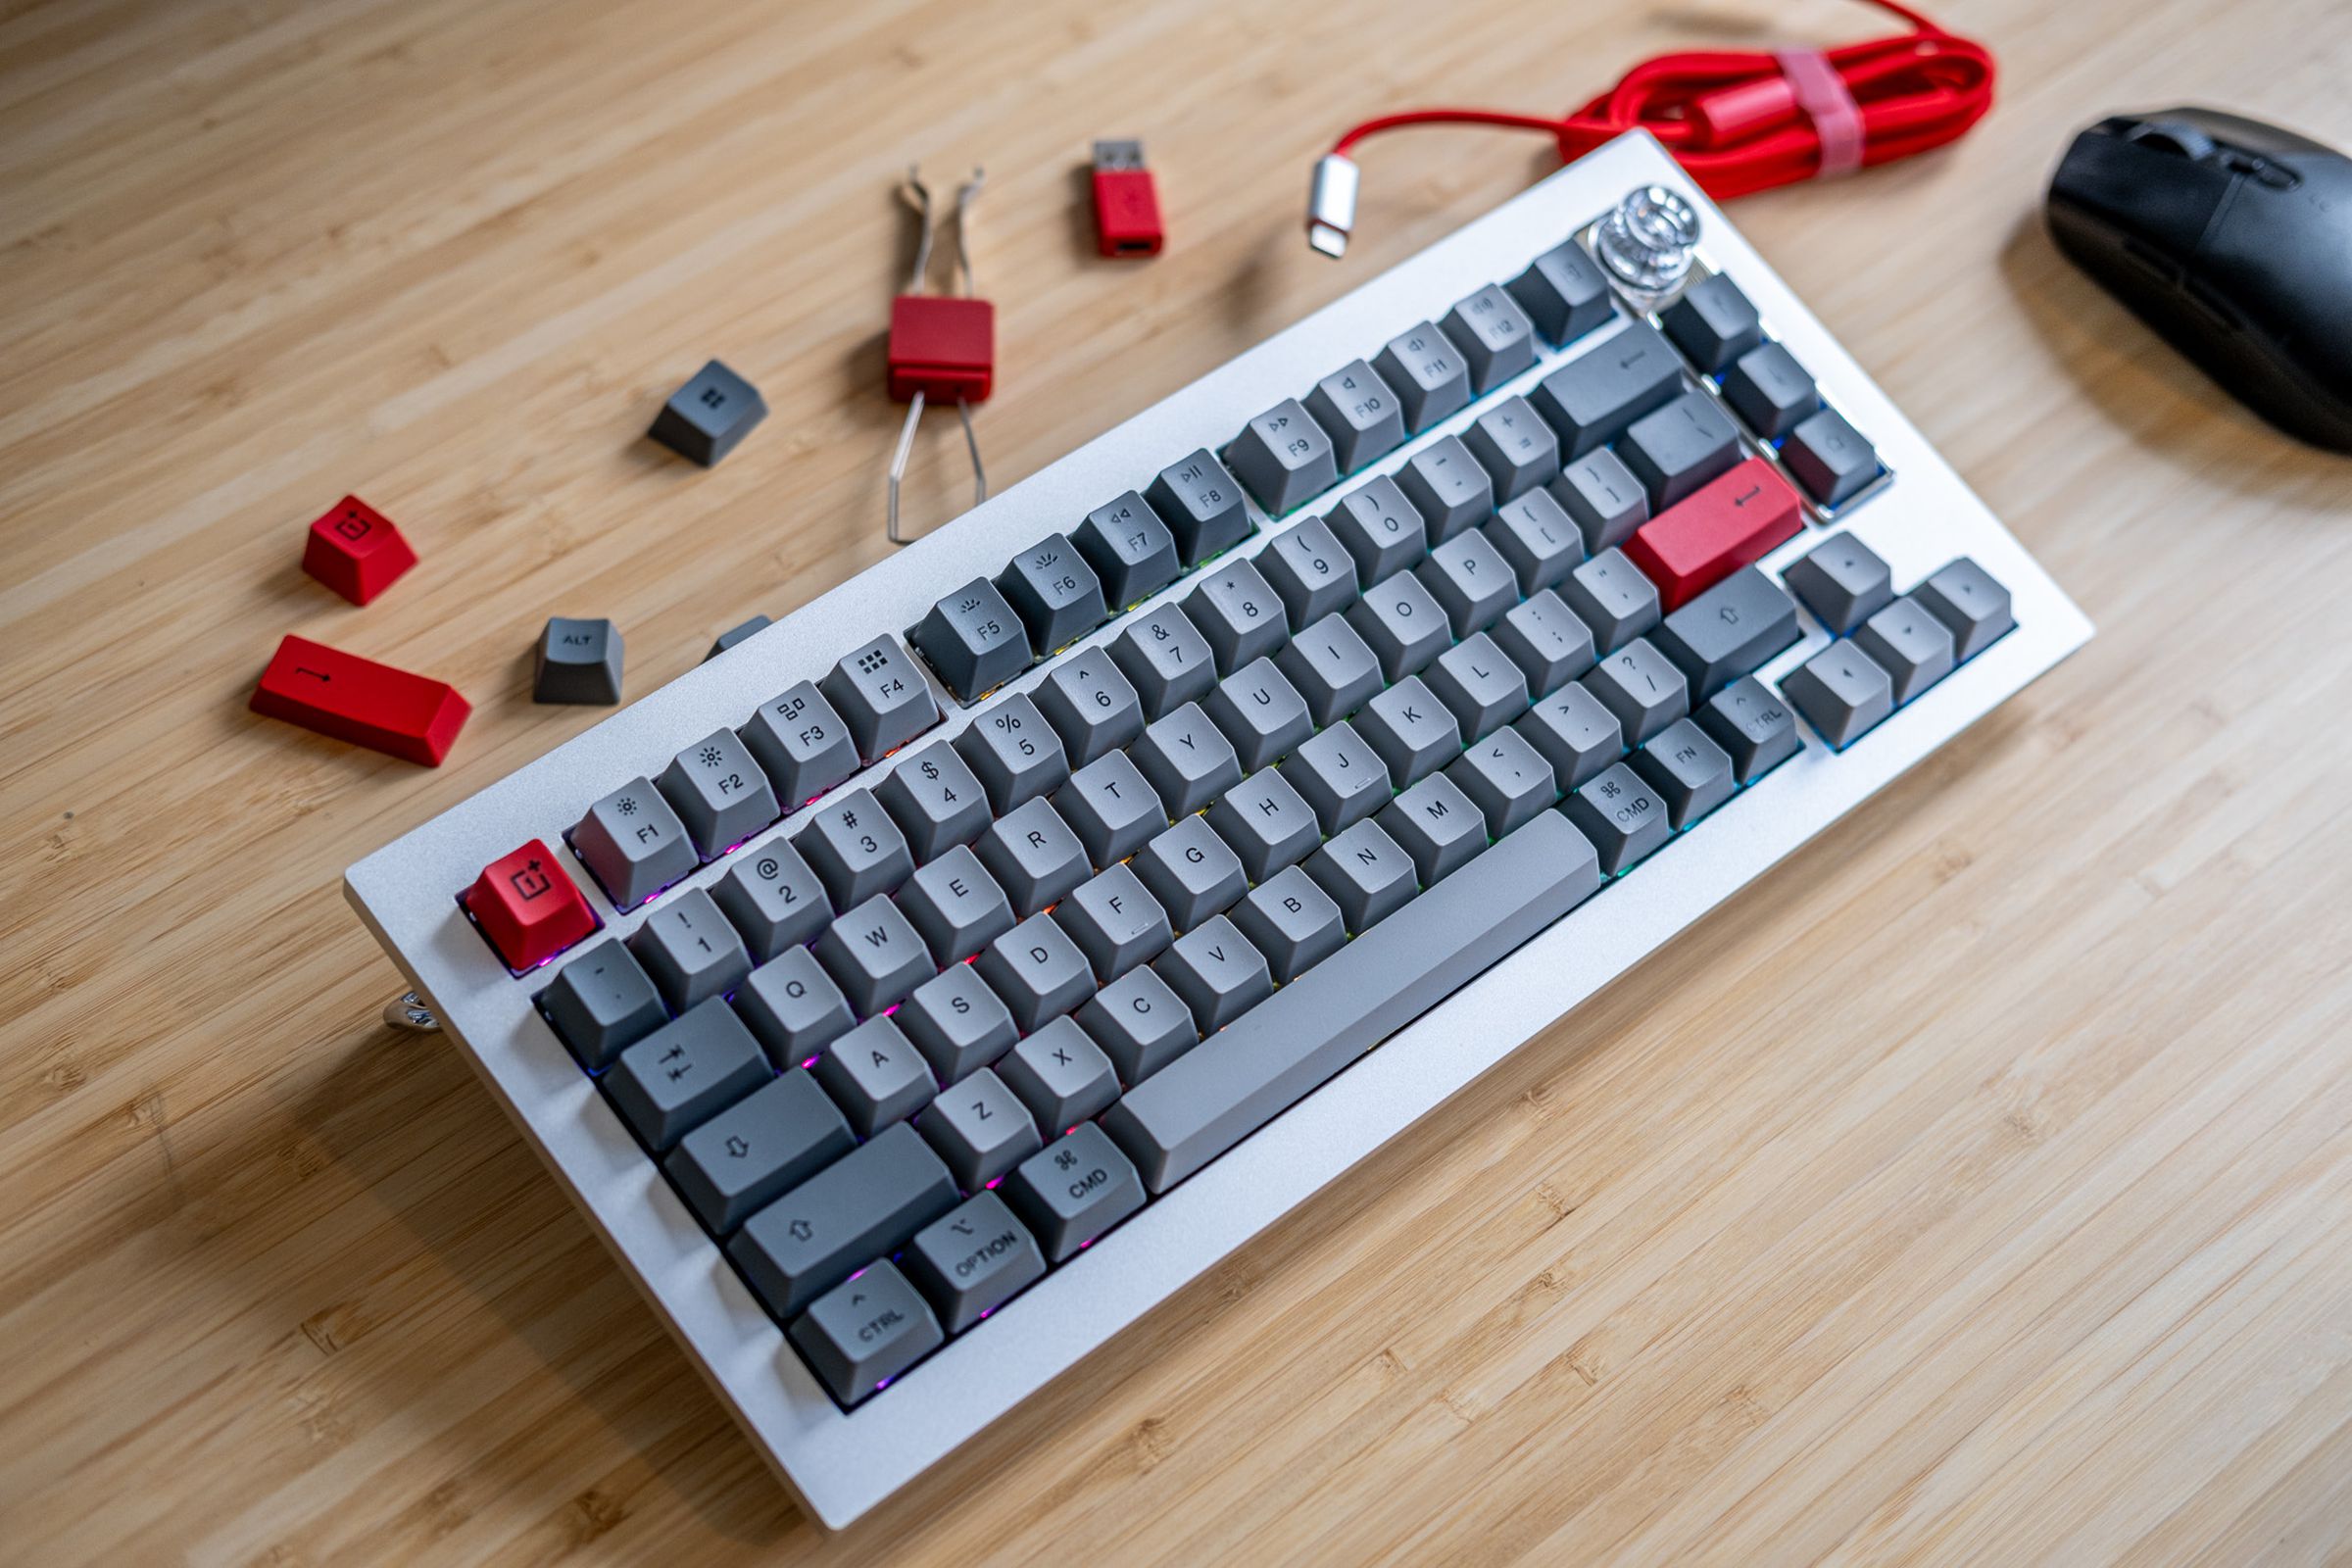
{"type": "Point", "coordinates": [1649, 239]}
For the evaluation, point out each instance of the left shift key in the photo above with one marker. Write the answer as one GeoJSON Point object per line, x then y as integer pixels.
{"type": "Point", "coordinates": [360, 700]}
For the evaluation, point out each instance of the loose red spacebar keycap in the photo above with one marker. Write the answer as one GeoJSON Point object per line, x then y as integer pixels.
{"type": "Point", "coordinates": [360, 700]}
{"type": "Point", "coordinates": [1711, 533]}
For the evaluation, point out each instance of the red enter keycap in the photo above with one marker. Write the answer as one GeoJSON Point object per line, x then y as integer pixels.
{"type": "Point", "coordinates": [527, 907]}
{"type": "Point", "coordinates": [1711, 533]}
{"type": "Point", "coordinates": [354, 550]}
{"type": "Point", "coordinates": [360, 700]}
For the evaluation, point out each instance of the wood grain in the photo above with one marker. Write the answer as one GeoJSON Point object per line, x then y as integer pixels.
{"type": "Point", "coordinates": [1974, 1189]}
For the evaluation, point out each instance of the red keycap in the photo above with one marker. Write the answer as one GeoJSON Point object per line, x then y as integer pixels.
{"type": "Point", "coordinates": [942, 346]}
{"type": "Point", "coordinates": [360, 700]}
{"type": "Point", "coordinates": [354, 550]}
{"type": "Point", "coordinates": [1711, 533]}
{"type": "Point", "coordinates": [529, 907]}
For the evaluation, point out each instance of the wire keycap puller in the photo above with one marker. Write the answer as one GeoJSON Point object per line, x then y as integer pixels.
{"type": "Point", "coordinates": [942, 346]}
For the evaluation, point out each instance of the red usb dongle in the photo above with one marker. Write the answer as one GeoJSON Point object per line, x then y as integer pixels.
{"type": "Point", "coordinates": [1126, 205]}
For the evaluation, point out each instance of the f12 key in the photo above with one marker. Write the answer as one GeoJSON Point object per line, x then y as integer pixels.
{"type": "Point", "coordinates": [360, 701]}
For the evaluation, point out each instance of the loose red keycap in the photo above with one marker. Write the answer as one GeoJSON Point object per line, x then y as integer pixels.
{"type": "Point", "coordinates": [529, 907]}
{"type": "Point", "coordinates": [354, 550]}
{"type": "Point", "coordinates": [942, 346]}
{"type": "Point", "coordinates": [360, 700]}
{"type": "Point", "coordinates": [1706, 536]}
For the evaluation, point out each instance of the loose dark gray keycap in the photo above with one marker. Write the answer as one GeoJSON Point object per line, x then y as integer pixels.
{"type": "Point", "coordinates": [1449, 487]}
{"type": "Point", "coordinates": [1130, 548]}
{"type": "Point", "coordinates": [1269, 824]}
{"type": "Point", "coordinates": [1575, 734]}
{"type": "Point", "coordinates": [1366, 872]}
{"type": "Point", "coordinates": [1111, 808]}
{"type": "Point", "coordinates": [1212, 1097]}
{"type": "Point", "coordinates": [1055, 592]}
{"type": "Point", "coordinates": [1260, 713]}
{"type": "Point", "coordinates": [1592, 399]}
{"type": "Point", "coordinates": [973, 1261]}
{"type": "Point", "coordinates": [1496, 339]}
{"type": "Point", "coordinates": [1973, 607]}
{"type": "Point", "coordinates": [1293, 923]}
{"type": "Point", "coordinates": [1610, 595]}
{"type": "Point", "coordinates": [782, 1133]}
{"type": "Point", "coordinates": [773, 900]}
{"type": "Point", "coordinates": [1091, 705]}
{"type": "Point", "coordinates": [974, 639]}
{"type": "Point", "coordinates": [1033, 857]}
{"type": "Point", "coordinates": [801, 744]}
{"type": "Point", "coordinates": [1331, 667]}
{"type": "Point", "coordinates": [1828, 457]}
{"type": "Point", "coordinates": [1563, 293]}
{"type": "Point", "coordinates": [1201, 505]}
{"type": "Point", "coordinates": [1284, 457]}
{"type": "Point", "coordinates": [1428, 374]}
{"type": "Point", "coordinates": [1754, 728]}
{"type": "Point", "coordinates": [959, 1026]}
{"type": "Point", "coordinates": [1038, 970]}
{"type": "Point", "coordinates": [1216, 972]}
{"type": "Point", "coordinates": [1192, 872]}
{"type": "Point", "coordinates": [1712, 323]}
{"type": "Point", "coordinates": [874, 955]}
{"type": "Point", "coordinates": [1546, 641]}
{"type": "Point", "coordinates": [1728, 631]}
{"type": "Point", "coordinates": [1140, 1023]}
{"type": "Point", "coordinates": [719, 791]}
{"type": "Point", "coordinates": [1238, 611]}
{"type": "Point", "coordinates": [1622, 816]}
{"type": "Point", "coordinates": [793, 1007]}
{"type": "Point", "coordinates": [862, 1207]}
{"type": "Point", "coordinates": [866, 1332]}
{"type": "Point", "coordinates": [878, 694]}
{"type": "Point", "coordinates": [980, 1128]}
{"type": "Point", "coordinates": [1677, 449]}
{"type": "Point", "coordinates": [875, 1075]}
{"type": "Point", "coordinates": [1380, 529]}
{"type": "Point", "coordinates": [1843, 581]}
{"type": "Point", "coordinates": [1641, 687]}
{"type": "Point", "coordinates": [1769, 390]}
{"type": "Point", "coordinates": [1508, 782]}
{"type": "Point", "coordinates": [1014, 754]}
{"type": "Point", "coordinates": [1309, 572]}
{"type": "Point", "coordinates": [1913, 647]}
{"type": "Point", "coordinates": [710, 415]}
{"type": "Point", "coordinates": [1842, 691]}
{"type": "Point", "coordinates": [1361, 415]}
{"type": "Point", "coordinates": [1167, 660]}
{"type": "Point", "coordinates": [601, 1004]}
{"type": "Point", "coordinates": [1060, 1075]}
{"type": "Point", "coordinates": [1691, 774]}
{"type": "Point", "coordinates": [1186, 761]}
{"type": "Point", "coordinates": [956, 906]}
{"type": "Point", "coordinates": [1436, 827]}
{"type": "Point", "coordinates": [1515, 447]}
{"type": "Point", "coordinates": [1536, 537]}
{"type": "Point", "coordinates": [1337, 773]}
{"type": "Point", "coordinates": [854, 849]}
{"type": "Point", "coordinates": [1402, 624]}
{"type": "Point", "coordinates": [935, 801]}
{"type": "Point", "coordinates": [634, 843]}
{"type": "Point", "coordinates": [1410, 731]}
{"type": "Point", "coordinates": [1479, 685]}
{"type": "Point", "coordinates": [1603, 499]}
{"type": "Point", "coordinates": [1074, 1190]}
{"type": "Point", "coordinates": [577, 661]}
{"type": "Point", "coordinates": [684, 1073]}
{"type": "Point", "coordinates": [1470, 581]}
{"type": "Point", "coordinates": [1115, 923]}
{"type": "Point", "coordinates": [690, 950]}
{"type": "Point", "coordinates": [739, 633]}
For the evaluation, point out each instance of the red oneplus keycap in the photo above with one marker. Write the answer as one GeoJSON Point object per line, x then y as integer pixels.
{"type": "Point", "coordinates": [360, 700]}
{"type": "Point", "coordinates": [942, 346]}
{"type": "Point", "coordinates": [354, 550]}
{"type": "Point", "coordinates": [529, 907]}
{"type": "Point", "coordinates": [1711, 533]}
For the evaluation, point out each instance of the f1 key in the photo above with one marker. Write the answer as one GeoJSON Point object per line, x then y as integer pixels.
{"type": "Point", "coordinates": [360, 701]}
{"type": "Point", "coordinates": [1731, 522]}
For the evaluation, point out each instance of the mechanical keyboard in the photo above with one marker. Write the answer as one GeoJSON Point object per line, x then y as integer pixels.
{"type": "Point", "coordinates": [922, 988]}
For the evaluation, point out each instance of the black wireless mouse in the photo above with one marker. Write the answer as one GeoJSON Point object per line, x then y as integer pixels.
{"type": "Point", "coordinates": [2234, 240]}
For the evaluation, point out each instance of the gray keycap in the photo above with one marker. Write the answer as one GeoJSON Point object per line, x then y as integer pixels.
{"type": "Point", "coordinates": [865, 1332]}
{"type": "Point", "coordinates": [1309, 570]}
{"type": "Point", "coordinates": [1072, 1190]}
{"type": "Point", "coordinates": [1677, 449]}
{"type": "Point", "coordinates": [773, 900]}
{"type": "Point", "coordinates": [1913, 647]}
{"type": "Point", "coordinates": [801, 745]}
{"type": "Point", "coordinates": [1479, 685]}
{"type": "Point", "coordinates": [1563, 293]}
{"type": "Point", "coordinates": [1470, 581]}
{"type": "Point", "coordinates": [1038, 970]}
{"type": "Point", "coordinates": [1260, 713]}
{"type": "Point", "coordinates": [1410, 731]}
{"type": "Point", "coordinates": [736, 635]}
{"type": "Point", "coordinates": [1055, 592]}
{"type": "Point", "coordinates": [875, 1075]}
{"type": "Point", "coordinates": [935, 801]}
{"type": "Point", "coordinates": [980, 1128]}
{"type": "Point", "coordinates": [874, 955]}
{"type": "Point", "coordinates": [1973, 607]}
{"type": "Point", "coordinates": [1728, 631]}
{"type": "Point", "coordinates": [690, 950]}
{"type": "Point", "coordinates": [862, 1207]}
{"type": "Point", "coordinates": [719, 791]}
{"type": "Point", "coordinates": [959, 1026]}
{"type": "Point", "coordinates": [1091, 705]}
{"type": "Point", "coordinates": [1402, 624]}
{"type": "Point", "coordinates": [1449, 487]}
{"type": "Point", "coordinates": [684, 1073]}
{"type": "Point", "coordinates": [956, 906]}
{"type": "Point", "coordinates": [601, 1004]}
{"type": "Point", "coordinates": [1216, 973]}
{"type": "Point", "coordinates": [1284, 457]}
{"type": "Point", "coordinates": [1592, 399]}
{"type": "Point", "coordinates": [1140, 1023]}
{"type": "Point", "coordinates": [1339, 774]}
{"type": "Point", "coordinates": [1060, 1075]}
{"type": "Point", "coordinates": [1494, 335]}
{"type": "Point", "coordinates": [1515, 447]}
{"type": "Point", "coordinates": [1610, 595]}
{"type": "Point", "coordinates": [1192, 872]}
{"type": "Point", "coordinates": [854, 849]}
{"type": "Point", "coordinates": [782, 1133]}
{"type": "Point", "coordinates": [1331, 668]}
{"type": "Point", "coordinates": [1130, 548]}
{"type": "Point", "coordinates": [1641, 687]}
{"type": "Point", "coordinates": [1291, 923]}
{"type": "Point", "coordinates": [634, 843]}
{"type": "Point", "coordinates": [793, 1007]}
{"type": "Point", "coordinates": [1574, 733]}
{"type": "Point", "coordinates": [1436, 827]}
{"type": "Point", "coordinates": [1367, 874]}
{"type": "Point", "coordinates": [1843, 581]}
{"type": "Point", "coordinates": [1546, 641]}
{"type": "Point", "coordinates": [1428, 374]}
{"type": "Point", "coordinates": [973, 639]}
{"type": "Point", "coordinates": [1622, 816]}
{"type": "Point", "coordinates": [1770, 391]}
{"type": "Point", "coordinates": [1358, 411]}
{"type": "Point", "coordinates": [1828, 457]}
{"type": "Point", "coordinates": [1186, 761]}
{"type": "Point", "coordinates": [1506, 779]}
{"type": "Point", "coordinates": [1712, 323]}
{"type": "Point", "coordinates": [1014, 754]}
{"type": "Point", "coordinates": [1114, 922]}
{"type": "Point", "coordinates": [1167, 660]}
{"type": "Point", "coordinates": [1380, 529]}
{"type": "Point", "coordinates": [881, 697]}
{"type": "Point", "coordinates": [1238, 611]}
{"type": "Point", "coordinates": [1603, 498]}
{"type": "Point", "coordinates": [1033, 857]}
{"type": "Point", "coordinates": [1111, 807]}
{"type": "Point", "coordinates": [973, 1261]}
{"type": "Point", "coordinates": [1201, 505]}
{"type": "Point", "coordinates": [1691, 774]}
{"type": "Point", "coordinates": [1267, 822]}
{"type": "Point", "coordinates": [1752, 725]}
{"type": "Point", "coordinates": [576, 661]}
{"type": "Point", "coordinates": [1535, 535]}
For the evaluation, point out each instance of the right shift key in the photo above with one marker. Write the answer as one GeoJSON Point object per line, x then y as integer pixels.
{"type": "Point", "coordinates": [1728, 631]}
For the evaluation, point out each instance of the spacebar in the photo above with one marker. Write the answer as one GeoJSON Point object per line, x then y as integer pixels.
{"type": "Point", "coordinates": [1231, 1084]}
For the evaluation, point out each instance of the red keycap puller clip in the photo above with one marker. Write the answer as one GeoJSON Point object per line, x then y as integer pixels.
{"type": "Point", "coordinates": [942, 346]}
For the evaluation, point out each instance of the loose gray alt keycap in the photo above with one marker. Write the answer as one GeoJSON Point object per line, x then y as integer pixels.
{"type": "Point", "coordinates": [878, 694]}
{"type": "Point", "coordinates": [1167, 660]}
{"type": "Point", "coordinates": [1676, 450]}
{"type": "Point", "coordinates": [1402, 624]}
{"type": "Point", "coordinates": [1769, 390]}
{"type": "Point", "coordinates": [1754, 728]}
{"type": "Point", "coordinates": [1331, 667]}
{"type": "Point", "coordinates": [1843, 581]}
{"type": "Point", "coordinates": [1641, 687]}
{"type": "Point", "coordinates": [1380, 529]}
{"type": "Point", "coordinates": [1970, 605]}
{"type": "Point", "coordinates": [1267, 823]}
{"type": "Point", "coordinates": [793, 1007]}
{"type": "Point", "coordinates": [1217, 972]}
{"type": "Point", "coordinates": [1712, 323]}
{"type": "Point", "coordinates": [577, 661]}
{"type": "Point", "coordinates": [1130, 548]}
{"type": "Point", "coordinates": [1192, 872]}
{"type": "Point", "coordinates": [1336, 772]}
{"type": "Point", "coordinates": [1091, 705]}
{"type": "Point", "coordinates": [1073, 1190]}
{"type": "Point", "coordinates": [1574, 733]}
{"type": "Point", "coordinates": [690, 950]}
{"type": "Point", "coordinates": [1603, 498]}
{"type": "Point", "coordinates": [1592, 399]}
{"type": "Point", "coordinates": [1140, 1023]}
{"type": "Point", "coordinates": [1284, 457]}
{"type": "Point", "coordinates": [874, 955]}
{"type": "Point", "coordinates": [1517, 449]}
{"type": "Point", "coordinates": [1260, 713]}
{"type": "Point", "coordinates": [601, 1002]}
{"type": "Point", "coordinates": [1449, 487]}
{"type": "Point", "coordinates": [973, 1261]}
{"type": "Point", "coordinates": [1111, 808]}
{"type": "Point", "coordinates": [959, 1026]}
{"type": "Point", "coordinates": [1691, 774]}
{"type": "Point", "coordinates": [1610, 595]}
{"type": "Point", "coordinates": [973, 639]}
{"type": "Point", "coordinates": [1728, 631]}
{"type": "Point", "coordinates": [1494, 335]}
{"type": "Point", "coordinates": [1428, 374]}
{"type": "Point", "coordinates": [980, 1128]}
{"type": "Point", "coordinates": [634, 843]}
{"type": "Point", "coordinates": [782, 1133]}
{"type": "Point", "coordinates": [1309, 570]}
{"type": "Point", "coordinates": [1828, 457]}
{"type": "Point", "coordinates": [1238, 611]}
{"type": "Point", "coordinates": [1913, 647]}
{"type": "Point", "coordinates": [1060, 1075]}
{"type": "Point", "coordinates": [875, 1075]}
{"type": "Point", "coordinates": [773, 900]}
{"type": "Point", "coordinates": [1479, 686]}
{"type": "Point", "coordinates": [1115, 923]}
{"type": "Point", "coordinates": [1410, 731]}
{"type": "Point", "coordinates": [935, 801]}
{"type": "Point", "coordinates": [1508, 780]}
{"type": "Point", "coordinates": [1563, 293]}
{"type": "Point", "coordinates": [1361, 415]}
{"type": "Point", "coordinates": [1201, 505]}
{"type": "Point", "coordinates": [1186, 761]}
{"type": "Point", "coordinates": [854, 849]}
{"type": "Point", "coordinates": [956, 906]}
{"type": "Point", "coordinates": [801, 744]}
{"type": "Point", "coordinates": [1055, 592]}
{"type": "Point", "coordinates": [1842, 691]}
{"type": "Point", "coordinates": [1291, 923]}
{"type": "Point", "coordinates": [719, 791]}
{"type": "Point", "coordinates": [866, 1332]}
{"type": "Point", "coordinates": [684, 1073]}
{"type": "Point", "coordinates": [1548, 643]}
{"type": "Point", "coordinates": [1365, 873]}
{"type": "Point", "coordinates": [1033, 857]}
{"type": "Point", "coordinates": [862, 1207]}
{"type": "Point", "coordinates": [1437, 826]}
{"type": "Point", "coordinates": [1038, 970]}
{"type": "Point", "coordinates": [1535, 535]}
{"type": "Point", "coordinates": [1014, 754]}
{"type": "Point", "coordinates": [1624, 817]}
{"type": "Point", "coordinates": [1470, 581]}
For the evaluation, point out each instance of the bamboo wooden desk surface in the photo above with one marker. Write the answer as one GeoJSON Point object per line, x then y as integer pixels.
{"type": "Point", "coordinates": [1974, 1189]}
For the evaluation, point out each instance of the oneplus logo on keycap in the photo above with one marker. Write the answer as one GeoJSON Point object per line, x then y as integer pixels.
{"type": "Point", "coordinates": [530, 882]}
{"type": "Point", "coordinates": [351, 525]}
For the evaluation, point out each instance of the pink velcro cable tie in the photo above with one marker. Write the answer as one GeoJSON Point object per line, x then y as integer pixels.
{"type": "Point", "coordinates": [1821, 93]}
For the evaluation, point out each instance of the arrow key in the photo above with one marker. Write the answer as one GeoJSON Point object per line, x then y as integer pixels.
{"type": "Point", "coordinates": [783, 1133]}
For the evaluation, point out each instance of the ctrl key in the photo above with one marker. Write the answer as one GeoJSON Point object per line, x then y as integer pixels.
{"type": "Point", "coordinates": [1073, 1190]}
{"type": "Point", "coordinates": [865, 1331]}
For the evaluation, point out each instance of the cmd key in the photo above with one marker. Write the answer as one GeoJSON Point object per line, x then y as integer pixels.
{"type": "Point", "coordinates": [1730, 523]}
{"type": "Point", "coordinates": [360, 700]}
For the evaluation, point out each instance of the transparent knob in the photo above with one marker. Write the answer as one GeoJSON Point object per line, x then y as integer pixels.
{"type": "Point", "coordinates": [1649, 239]}
{"type": "Point", "coordinates": [412, 1013]}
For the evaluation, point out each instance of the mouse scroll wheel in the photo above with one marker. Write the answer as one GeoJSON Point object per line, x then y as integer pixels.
{"type": "Point", "coordinates": [2175, 137]}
